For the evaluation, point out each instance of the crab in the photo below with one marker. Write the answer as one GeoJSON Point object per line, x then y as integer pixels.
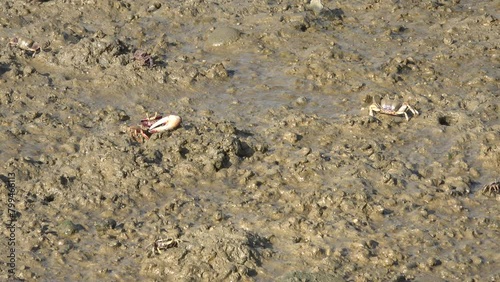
{"type": "Point", "coordinates": [491, 189]}
{"type": "Point", "coordinates": [140, 132]}
{"type": "Point", "coordinates": [163, 244]}
{"type": "Point", "coordinates": [390, 107]}
{"type": "Point", "coordinates": [143, 58]}
{"type": "Point", "coordinates": [153, 124]}
{"type": "Point", "coordinates": [27, 45]}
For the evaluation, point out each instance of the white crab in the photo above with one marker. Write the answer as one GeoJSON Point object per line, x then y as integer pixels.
{"type": "Point", "coordinates": [390, 107]}
{"type": "Point", "coordinates": [163, 244]}
{"type": "Point", "coordinates": [154, 124]}
{"type": "Point", "coordinates": [27, 44]}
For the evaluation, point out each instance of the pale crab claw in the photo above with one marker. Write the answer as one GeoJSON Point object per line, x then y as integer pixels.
{"type": "Point", "coordinates": [167, 123]}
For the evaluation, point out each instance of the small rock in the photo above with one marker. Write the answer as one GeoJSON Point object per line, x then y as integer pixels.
{"type": "Point", "coordinates": [301, 101]}
{"type": "Point", "coordinates": [28, 70]}
{"type": "Point", "coordinates": [290, 137]}
{"type": "Point", "coordinates": [67, 227]}
{"type": "Point", "coordinates": [223, 36]}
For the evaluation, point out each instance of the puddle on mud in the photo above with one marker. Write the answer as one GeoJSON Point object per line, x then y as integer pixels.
{"type": "Point", "coordinates": [277, 170]}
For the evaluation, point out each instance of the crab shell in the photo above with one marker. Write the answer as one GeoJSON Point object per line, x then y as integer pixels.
{"type": "Point", "coordinates": [390, 105]}
{"type": "Point", "coordinates": [25, 44]}
{"type": "Point", "coordinates": [167, 123]}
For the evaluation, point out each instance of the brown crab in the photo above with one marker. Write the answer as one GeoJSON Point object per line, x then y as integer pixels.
{"type": "Point", "coordinates": [390, 107]}
{"type": "Point", "coordinates": [27, 45]}
{"type": "Point", "coordinates": [154, 124]}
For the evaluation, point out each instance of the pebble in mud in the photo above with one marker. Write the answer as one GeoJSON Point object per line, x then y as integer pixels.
{"type": "Point", "coordinates": [301, 101]}
{"type": "Point", "coordinates": [67, 227]}
{"type": "Point", "coordinates": [223, 36]}
{"type": "Point", "coordinates": [105, 224]}
{"type": "Point", "coordinates": [64, 246]}
{"type": "Point", "coordinates": [290, 137]}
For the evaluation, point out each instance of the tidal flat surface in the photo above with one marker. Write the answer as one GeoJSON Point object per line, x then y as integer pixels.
{"type": "Point", "coordinates": [277, 172]}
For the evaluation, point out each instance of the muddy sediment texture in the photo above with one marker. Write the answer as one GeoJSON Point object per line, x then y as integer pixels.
{"type": "Point", "coordinates": [276, 171]}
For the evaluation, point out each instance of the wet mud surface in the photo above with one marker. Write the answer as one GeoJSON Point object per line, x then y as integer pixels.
{"type": "Point", "coordinates": [277, 172]}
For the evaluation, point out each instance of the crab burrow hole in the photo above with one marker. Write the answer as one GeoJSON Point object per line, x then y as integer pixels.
{"type": "Point", "coordinates": [446, 120]}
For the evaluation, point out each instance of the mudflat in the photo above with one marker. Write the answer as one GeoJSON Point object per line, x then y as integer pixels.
{"type": "Point", "coordinates": [277, 171]}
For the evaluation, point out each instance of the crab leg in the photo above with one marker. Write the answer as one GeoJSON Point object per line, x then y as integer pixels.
{"type": "Point", "coordinates": [148, 121]}
{"type": "Point", "coordinates": [404, 108]}
{"type": "Point", "coordinates": [167, 123]}
{"type": "Point", "coordinates": [415, 112]}
{"type": "Point", "coordinates": [373, 109]}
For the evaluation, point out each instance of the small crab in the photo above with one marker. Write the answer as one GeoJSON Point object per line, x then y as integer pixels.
{"type": "Point", "coordinates": [140, 132]}
{"type": "Point", "coordinates": [143, 58]}
{"type": "Point", "coordinates": [163, 244]}
{"type": "Point", "coordinates": [27, 45]}
{"type": "Point", "coordinates": [491, 189]}
{"type": "Point", "coordinates": [154, 124]}
{"type": "Point", "coordinates": [390, 107]}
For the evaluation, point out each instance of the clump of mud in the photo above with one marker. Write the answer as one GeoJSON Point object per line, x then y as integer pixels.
{"type": "Point", "coordinates": [276, 171]}
{"type": "Point", "coordinates": [233, 254]}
